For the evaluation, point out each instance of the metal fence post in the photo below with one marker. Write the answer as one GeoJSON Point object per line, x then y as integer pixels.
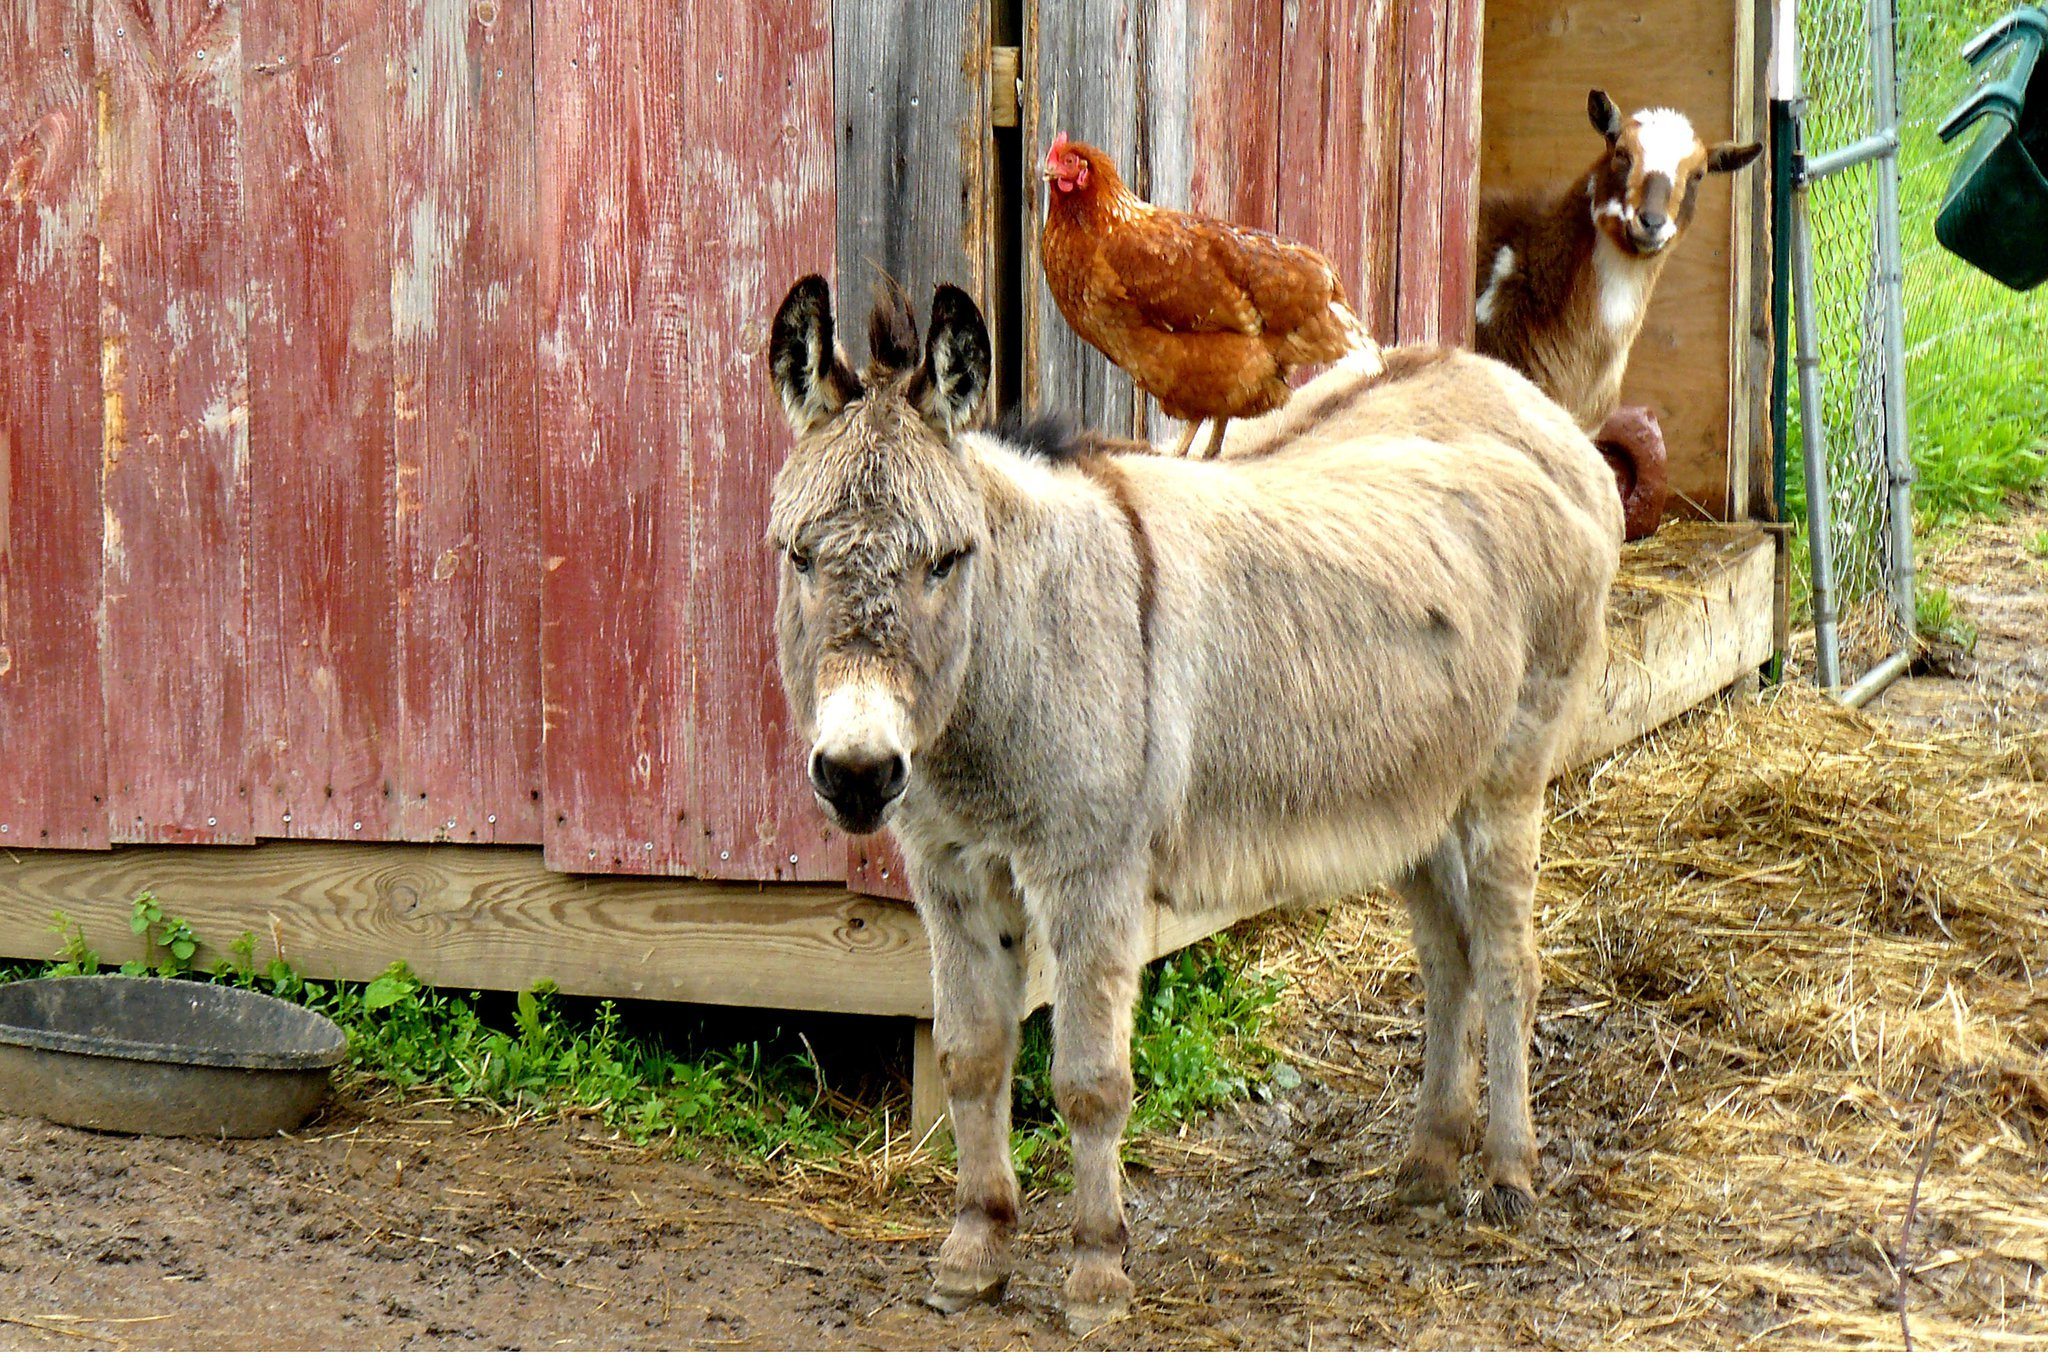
{"type": "Point", "coordinates": [1819, 528]}
{"type": "Point", "coordinates": [1884, 91]}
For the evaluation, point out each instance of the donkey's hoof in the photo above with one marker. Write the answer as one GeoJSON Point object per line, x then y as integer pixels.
{"type": "Point", "coordinates": [1420, 1184]}
{"type": "Point", "coordinates": [1505, 1205]}
{"type": "Point", "coordinates": [1098, 1293]}
{"type": "Point", "coordinates": [958, 1297]}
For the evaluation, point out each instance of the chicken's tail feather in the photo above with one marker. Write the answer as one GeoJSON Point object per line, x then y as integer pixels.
{"type": "Point", "coordinates": [1362, 353]}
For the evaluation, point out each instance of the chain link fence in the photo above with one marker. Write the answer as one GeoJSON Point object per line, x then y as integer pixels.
{"type": "Point", "coordinates": [1921, 392]}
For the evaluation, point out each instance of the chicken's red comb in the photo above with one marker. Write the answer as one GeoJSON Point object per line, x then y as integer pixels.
{"type": "Point", "coordinates": [1058, 149]}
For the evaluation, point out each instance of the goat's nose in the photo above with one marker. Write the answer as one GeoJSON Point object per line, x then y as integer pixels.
{"type": "Point", "coordinates": [1652, 220]}
{"type": "Point", "coordinates": [859, 790]}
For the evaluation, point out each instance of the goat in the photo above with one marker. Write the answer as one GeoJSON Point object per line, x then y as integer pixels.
{"type": "Point", "coordinates": [1079, 681]}
{"type": "Point", "coordinates": [1565, 272]}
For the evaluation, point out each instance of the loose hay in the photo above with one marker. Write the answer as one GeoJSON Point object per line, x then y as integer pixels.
{"type": "Point", "coordinates": [1773, 937]}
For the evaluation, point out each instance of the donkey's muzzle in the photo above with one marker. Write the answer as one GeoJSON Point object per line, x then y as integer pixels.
{"type": "Point", "coordinates": [859, 791]}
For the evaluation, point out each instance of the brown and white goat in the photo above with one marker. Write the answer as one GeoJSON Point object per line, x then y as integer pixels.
{"type": "Point", "coordinates": [1565, 273]}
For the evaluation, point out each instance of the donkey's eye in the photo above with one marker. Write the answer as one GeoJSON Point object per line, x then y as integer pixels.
{"type": "Point", "coordinates": [800, 560]}
{"type": "Point", "coordinates": [944, 564]}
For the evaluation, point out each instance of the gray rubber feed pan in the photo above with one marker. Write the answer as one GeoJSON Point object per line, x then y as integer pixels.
{"type": "Point", "coordinates": [139, 1054]}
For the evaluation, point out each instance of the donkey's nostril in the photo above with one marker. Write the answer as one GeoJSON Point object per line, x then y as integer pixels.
{"type": "Point", "coordinates": [859, 790]}
{"type": "Point", "coordinates": [895, 774]}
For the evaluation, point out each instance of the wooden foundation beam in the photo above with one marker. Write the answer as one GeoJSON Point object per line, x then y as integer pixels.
{"type": "Point", "coordinates": [486, 918]}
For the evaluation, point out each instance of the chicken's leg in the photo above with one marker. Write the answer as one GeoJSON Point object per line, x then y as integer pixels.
{"type": "Point", "coordinates": [1187, 439]}
{"type": "Point", "coordinates": [1216, 425]}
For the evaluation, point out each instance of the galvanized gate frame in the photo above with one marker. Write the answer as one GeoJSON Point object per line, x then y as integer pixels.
{"type": "Point", "coordinates": [1881, 148]}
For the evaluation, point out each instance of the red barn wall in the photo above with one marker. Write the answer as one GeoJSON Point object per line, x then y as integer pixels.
{"type": "Point", "coordinates": [385, 436]}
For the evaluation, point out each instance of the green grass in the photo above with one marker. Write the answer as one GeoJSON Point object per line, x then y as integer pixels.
{"type": "Point", "coordinates": [1197, 1045]}
{"type": "Point", "coordinates": [1936, 621]}
{"type": "Point", "coordinates": [2039, 544]}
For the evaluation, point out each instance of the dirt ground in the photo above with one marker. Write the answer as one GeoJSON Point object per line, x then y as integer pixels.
{"type": "Point", "coordinates": [1720, 1170]}
{"type": "Point", "coordinates": [1999, 584]}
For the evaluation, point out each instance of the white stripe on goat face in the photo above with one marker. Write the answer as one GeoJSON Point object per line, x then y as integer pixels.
{"type": "Point", "coordinates": [1667, 142]}
{"type": "Point", "coordinates": [861, 721]}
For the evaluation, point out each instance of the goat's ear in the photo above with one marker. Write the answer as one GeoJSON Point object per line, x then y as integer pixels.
{"type": "Point", "coordinates": [1606, 118]}
{"type": "Point", "coordinates": [1732, 156]}
{"type": "Point", "coordinates": [812, 378]}
{"type": "Point", "coordinates": [949, 385]}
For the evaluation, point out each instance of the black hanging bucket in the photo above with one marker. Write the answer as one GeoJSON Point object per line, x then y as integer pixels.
{"type": "Point", "coordinates": [1995, 214]}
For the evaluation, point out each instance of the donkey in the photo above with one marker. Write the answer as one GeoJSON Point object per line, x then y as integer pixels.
{"type": "Point", "coordinates": [1565, 273]}
{"type": "Point", "coordinates": [1079, 679]}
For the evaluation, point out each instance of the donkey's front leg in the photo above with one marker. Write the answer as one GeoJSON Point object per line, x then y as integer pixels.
{"type": "Point", "coordinates": [1096, 956]}
{"type": "Point", "coordinates": [978, 991]}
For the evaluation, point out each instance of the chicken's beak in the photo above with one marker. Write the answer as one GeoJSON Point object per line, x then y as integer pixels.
{"type": "Point", "coordinates": [1048, 174]}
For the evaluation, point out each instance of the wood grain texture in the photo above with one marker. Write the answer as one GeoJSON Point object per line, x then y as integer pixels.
{"type": "Point", "coordinates": [467, 500]}
{"type": "Point", "coordinates": [914, 154]}
{"type": "Point", "coordinates": [53, 776]}
{"type": "Point", "coordinates": [1671, 651]}
{"type": "Point", "coordinates": [175, 434]}
{"type": "Point", "coordinates": [1419, 295]}
{"type": "Point", "coordinates": [323, 669]}
{"type": "Point", "coordinates": [915, 197]}
{"type": "Point", "coordinates": [1541, 58]}
{"type": "Point", "coordinates": [1339, 163]}
{"type": "Point", "coordinates": [1464, 76]}
{"type": "Point", "coordinates": [1083, 69]}
{"type": "Point", "coordinates": [614, 403]}
{"type": "Point", "coordinates": [759, 165]}
{"type": "Point", "coordinates": [489, 919]}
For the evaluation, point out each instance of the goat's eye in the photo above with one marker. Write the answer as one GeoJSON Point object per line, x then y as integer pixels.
{"type": "Point", "coordinates": [943, 566]}
{"type": "Point", "coordinates": [800, 560]}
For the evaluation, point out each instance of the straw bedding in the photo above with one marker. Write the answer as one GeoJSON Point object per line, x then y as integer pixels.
{"type": "Point", "coordinates": [1792, 953]}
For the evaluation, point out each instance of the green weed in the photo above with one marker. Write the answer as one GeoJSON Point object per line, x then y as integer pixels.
{"type": "Point", "coordinates": [1936, 621]}
{"type": "Point", "coordinates": [1197, 1044]}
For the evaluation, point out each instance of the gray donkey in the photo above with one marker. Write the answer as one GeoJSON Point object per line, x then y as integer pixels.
{"type": "Point", "coordinates": [1081, 678]}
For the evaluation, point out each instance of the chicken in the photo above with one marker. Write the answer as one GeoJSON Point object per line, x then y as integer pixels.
{"type": "Point", "coordinates": [1205, 316]}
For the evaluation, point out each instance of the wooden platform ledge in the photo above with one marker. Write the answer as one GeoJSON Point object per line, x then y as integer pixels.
{"type": "Point", "coordinates": [1690, 615]}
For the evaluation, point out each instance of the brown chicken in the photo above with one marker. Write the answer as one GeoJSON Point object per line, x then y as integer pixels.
{"type": "Point", "coordinates": [1205, 316]}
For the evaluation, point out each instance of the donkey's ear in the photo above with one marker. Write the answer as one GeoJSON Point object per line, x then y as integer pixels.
{"type": "Point", "coordinates": [811, 377]}
{"type": "Point", "coordinates": [1733, 156]}
{"type": "Point", "coordinates": [1606, 118]}
{"type": "Point", "coordinates": [949, 385]}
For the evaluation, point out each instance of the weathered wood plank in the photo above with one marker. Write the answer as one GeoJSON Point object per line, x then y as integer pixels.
{"type": "Point", "coordinates": [1419, 296]}
{"type": "Point", "coordinates": [323, 700]}
{"type": "Point", "coordinates": [175, 433]}
{"type": "Point", "coordinates": [1670, 651]}
{"type": "Point", "coordinates": [915, 195]}
{"type": "Point", "coordinates": [915, 156]}
{"type": "Point", "coordinates": [1541, 58]}
{"type": "Point", "coordinates": [1082, 60]}
{"type": "Point", "coordinates": [761, 214]}
{"type": "Point", "coordinates": [1233, 119]}
{"type": "Point", "coordinates": [467, 458]}
{"type": "Point", "coordinates": [1464, 54]}
{"type": "Point", "coordinates": [53, 778]}
{"type": "Point", "coordinates": [614, 409]}
{"type": "Point", "coordinates": [488, 919]}
{"type": "Point", "coordinates": [1340, 159]}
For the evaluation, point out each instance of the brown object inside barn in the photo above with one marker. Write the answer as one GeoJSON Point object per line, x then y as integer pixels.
{"type": "Point", "coordinates": [411, 441]}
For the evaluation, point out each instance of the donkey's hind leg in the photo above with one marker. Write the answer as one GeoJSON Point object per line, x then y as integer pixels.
{"type": "Point", "coordinates": [1448, 1105]}
{"type": "Point", "coordinates": [1501, 866]}
{"type": "Point", "coordinates": [977, 944]}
